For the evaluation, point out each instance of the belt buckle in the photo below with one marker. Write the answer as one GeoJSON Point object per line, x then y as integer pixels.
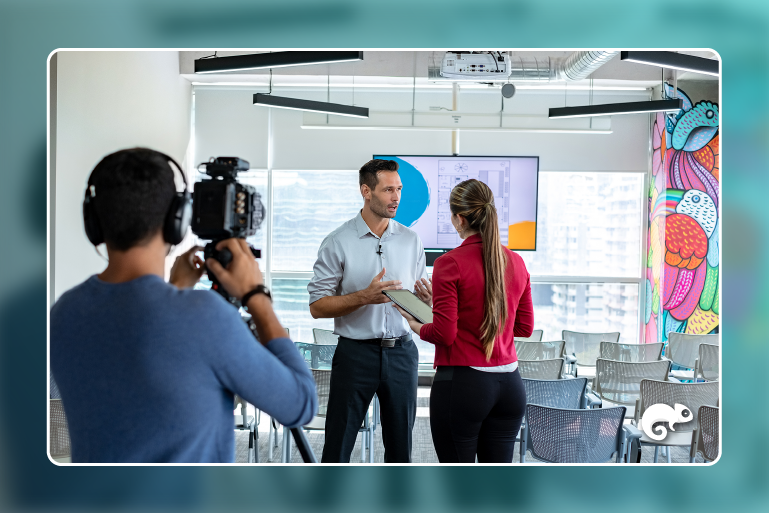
{"type": "Point", "coordinates": [388, 342]}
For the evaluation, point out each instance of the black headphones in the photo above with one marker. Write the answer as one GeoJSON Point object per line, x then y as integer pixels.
{"type": "Point", "coordinates": [177, 219]}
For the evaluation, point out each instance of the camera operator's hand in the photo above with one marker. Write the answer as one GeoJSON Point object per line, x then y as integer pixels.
{"type": "Point", "coordinates": [243, 274]}
{"type": "Point", "coordinates": [372, 295]}
{"type": "Point", "coordinates": [187, 269]}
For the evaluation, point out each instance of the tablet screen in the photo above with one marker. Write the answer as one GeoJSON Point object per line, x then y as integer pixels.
{"type": "Point", "coordinates": [412, 304]}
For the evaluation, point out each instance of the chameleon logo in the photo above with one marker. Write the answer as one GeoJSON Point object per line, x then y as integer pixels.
{"type": "Point", "coordinates": [664, 413]}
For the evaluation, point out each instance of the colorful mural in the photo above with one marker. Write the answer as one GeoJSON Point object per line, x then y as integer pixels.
{"type": "Point", "coordinates": [682, 293]}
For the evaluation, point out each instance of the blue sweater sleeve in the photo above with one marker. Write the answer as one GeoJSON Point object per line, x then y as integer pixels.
{"type": "Point", "coordinates": [274, 378]}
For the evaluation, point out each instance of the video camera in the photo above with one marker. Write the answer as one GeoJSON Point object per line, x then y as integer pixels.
{"type": "Point", "coordinates": [223, 208]}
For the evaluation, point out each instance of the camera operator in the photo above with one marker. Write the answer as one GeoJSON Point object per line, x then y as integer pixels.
{"type": "Point", "coordinates": [147, 369]}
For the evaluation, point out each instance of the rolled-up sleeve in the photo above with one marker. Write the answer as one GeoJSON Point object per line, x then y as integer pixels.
{"type": "Point", "coordinates": [327, 271]}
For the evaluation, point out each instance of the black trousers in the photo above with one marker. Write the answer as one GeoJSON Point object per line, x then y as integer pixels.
{"type": "Point", "coordinates": [358, 371]}
{"type": "Point", "coordinates": [475, 412]}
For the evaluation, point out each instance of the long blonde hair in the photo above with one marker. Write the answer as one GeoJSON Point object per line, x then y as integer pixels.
{"type": "Point", "coordinates": [474, 201]}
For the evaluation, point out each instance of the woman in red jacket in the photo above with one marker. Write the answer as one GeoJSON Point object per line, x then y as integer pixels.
{"type": "Point", "coordinates": [482, 299]}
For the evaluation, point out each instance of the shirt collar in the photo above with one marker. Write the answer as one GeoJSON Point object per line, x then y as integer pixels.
{"type": "Point", "coordinates": [363, 228]}
{"type": "Point", "coordinates": [472, 239]}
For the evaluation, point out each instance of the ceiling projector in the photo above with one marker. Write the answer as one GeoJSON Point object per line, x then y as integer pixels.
{"type": "Point", "coordinates": [475, 66]}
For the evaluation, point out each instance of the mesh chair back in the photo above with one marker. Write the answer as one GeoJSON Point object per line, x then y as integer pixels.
{"type": "Point", "coordinates": [620, 382]}
{"type": "Point", "coordinates": [539, 350]}
{"type": "Point", "coordinates": [631, 352]}
{"type": "Point", "coordinates": [586, 346]}
{"type": "Point", "coordinates": [555, 393]}
{"type": "Point", "coordinates": [323, 385]}
{"type": "Point", "coordinates": [317, 356]}
{"type": "Point", "coordinates": [574, 436]}
{"type": "Point", "coordinates": [54, 394]}
{"type": "Point", "coordinates": [59, 440]}
{"type": "Point", "coordinates": [691, 395]}
{"type": "Point", "coordinates": [683, 349]}
{"type": "Point", "coordinates": [536, 336]}
{"type": "Point", "coordinates": [325, 337]}
{"type": "Point", "coordinates": [707, 442]}
{"type": "Point", "coordinates": [709, 362]}
{"type": "Point", "coordinates": [541, 369]}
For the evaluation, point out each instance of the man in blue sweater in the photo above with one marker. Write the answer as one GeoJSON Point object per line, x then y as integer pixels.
{"type": "Point", "coordinates": [147, 369]}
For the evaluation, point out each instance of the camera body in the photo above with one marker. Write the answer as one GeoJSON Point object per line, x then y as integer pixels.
{"type": "Point", "coordinates": [223, 208]}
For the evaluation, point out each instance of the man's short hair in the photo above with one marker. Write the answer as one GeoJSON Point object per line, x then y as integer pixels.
{"type": "Point", "coordinates": [368, 173]}
{"type": "Point", "coordinates": [133, 192]}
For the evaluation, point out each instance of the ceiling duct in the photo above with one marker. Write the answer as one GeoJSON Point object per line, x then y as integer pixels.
{"type": "Point", "coordinates": [577, 66]}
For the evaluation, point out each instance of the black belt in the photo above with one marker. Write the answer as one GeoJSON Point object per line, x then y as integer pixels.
{"type": "Point", "coordinates": [383, 342]}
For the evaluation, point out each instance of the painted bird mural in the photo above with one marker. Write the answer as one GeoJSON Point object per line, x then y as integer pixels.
{"type": "Point", "coordinates": [682, 266]}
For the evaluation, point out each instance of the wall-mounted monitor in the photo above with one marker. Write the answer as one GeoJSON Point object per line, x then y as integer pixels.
{"type": "Point", "coordinates": [427, 184]}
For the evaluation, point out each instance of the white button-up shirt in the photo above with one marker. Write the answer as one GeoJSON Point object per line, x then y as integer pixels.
{"type": "Point", "coordinates": [348, 260]}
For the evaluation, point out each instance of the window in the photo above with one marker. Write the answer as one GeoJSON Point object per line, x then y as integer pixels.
{"type": "Point", "coordinates": [586, 307]}
{"type": "Point", "coordinates": [308, 206]}
{"type": "Point", "coordinates": [588, 224]}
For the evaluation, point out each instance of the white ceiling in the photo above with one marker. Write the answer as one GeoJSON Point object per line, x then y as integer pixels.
{"type": "Point", "coordinates": [409, 64]}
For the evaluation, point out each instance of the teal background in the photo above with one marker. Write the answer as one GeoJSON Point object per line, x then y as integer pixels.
{"type": "Point", "coordinates": [31, 29]}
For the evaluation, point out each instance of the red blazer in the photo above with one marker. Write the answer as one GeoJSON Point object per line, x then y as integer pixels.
{"type": "Point", "coordinates": [459, 286]}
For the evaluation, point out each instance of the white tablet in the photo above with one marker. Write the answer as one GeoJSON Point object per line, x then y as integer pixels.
{"type": "Point", "coordinates": [411, 303]}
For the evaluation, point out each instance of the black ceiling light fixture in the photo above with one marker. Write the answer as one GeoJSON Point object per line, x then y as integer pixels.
{"type": "Point", "coordinates": [269, 100]}
{"type": "Point", "coordinates": [273, 60]}
{"type": "Point", "coordinates": [613, 109]}
{"type": "Point", "coordinates": [673, 60]}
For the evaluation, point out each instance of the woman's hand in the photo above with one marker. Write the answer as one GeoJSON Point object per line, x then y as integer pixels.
{"type": "Point", "coordinates": [187, 269]}
{"type": "Point", "coordinates": [423, 289]}
{"type": "Point", "coordinates": [414, 324]}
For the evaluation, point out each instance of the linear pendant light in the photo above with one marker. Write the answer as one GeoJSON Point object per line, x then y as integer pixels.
{"type": "Point", "coordinates": [612, 109]}
{"type": "Point", "coordinates": [268, 100]}
{"type": "Point", "coordinates": [272, 60]}
{"type": "Point", "coordinates": [673, 60]}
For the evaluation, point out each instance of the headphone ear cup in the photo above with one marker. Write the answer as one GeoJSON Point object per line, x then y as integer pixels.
{"type": "Point", "coordinates": [178, 218]}
{"type": "Point", "coordinates": [91, 222]}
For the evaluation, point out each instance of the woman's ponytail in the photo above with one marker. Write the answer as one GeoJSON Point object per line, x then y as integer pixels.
{"type": "Point", "coordinates": [474, 201]}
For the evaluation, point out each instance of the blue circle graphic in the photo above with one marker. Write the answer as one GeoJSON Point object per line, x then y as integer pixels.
{"type": "Point", "coordinates": [416, 193]}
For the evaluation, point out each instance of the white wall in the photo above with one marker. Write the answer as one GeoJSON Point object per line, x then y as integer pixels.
{"type": "Point", "coordinates": [108, 101]}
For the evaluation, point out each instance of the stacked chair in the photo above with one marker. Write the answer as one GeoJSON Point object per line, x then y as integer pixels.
{"type": "Point", "coordinates": [559, 435]}
{"type": "Point", "coordinates": [618, 383]}
{"type": "Point", "coordinates": [584, 349]}
{"type": "Point", "coordinates": [536, 336]}
{"type": "Point", "coordinates": [683, 351]}
{"type": "Point", "coordinates": [60, 448]}
{"type": "Point", "coordinates": [541, 369]}
{"type": "Point", "coordinates": [707, 366]}
{"type": "Point", "coordinates": [671, 393]}
{"type": "Point", "coordinates": [705, 437]}
{"type": "Point", "coordinates": [540, 360]}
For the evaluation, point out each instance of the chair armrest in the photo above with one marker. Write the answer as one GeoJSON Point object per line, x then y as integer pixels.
{"type": "Point", "coordinates": [593, 400]}
{"type": "Point", "coordinates": [673, 379]}
{"type": "Point", "coordinates": [570, 358]}
{"type": "Point", "coordinates": [631, 432]}
{"type": "Point", "coordinates": [632, 443]}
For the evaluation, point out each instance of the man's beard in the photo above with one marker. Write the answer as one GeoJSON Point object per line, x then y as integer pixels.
{"type": "Point", "coordinates": [380, 208]}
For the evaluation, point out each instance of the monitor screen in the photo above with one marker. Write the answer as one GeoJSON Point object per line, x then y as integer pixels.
{"type": "Point", "coordinates": [427, 183]}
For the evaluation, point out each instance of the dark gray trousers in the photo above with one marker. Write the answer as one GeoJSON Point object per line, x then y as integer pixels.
{"type": "Point", "coordinates": [358, 371]}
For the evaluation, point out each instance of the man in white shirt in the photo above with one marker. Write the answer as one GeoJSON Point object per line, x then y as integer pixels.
{"type": "Point", "coordinates": [376, 354]}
